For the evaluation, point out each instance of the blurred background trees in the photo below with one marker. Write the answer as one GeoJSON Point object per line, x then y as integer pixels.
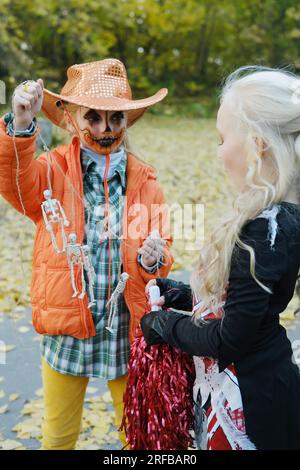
{"type": "Point", "coordinates": [185, 45]}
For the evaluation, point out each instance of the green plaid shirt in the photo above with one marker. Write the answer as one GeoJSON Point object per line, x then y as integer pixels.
{"type": "Point", "coordinates": [105, 355]}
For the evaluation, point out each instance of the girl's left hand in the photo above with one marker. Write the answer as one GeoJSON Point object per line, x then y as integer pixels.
{"type": "Point", "coordinates": [152, 250]}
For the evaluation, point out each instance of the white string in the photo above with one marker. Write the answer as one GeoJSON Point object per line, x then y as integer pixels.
{"type": "Point", "coordinates": [24, 213]}
{"type": "Point", "coordinates": [71, 186]}
{"type": "Point", "coordinates": [155, 237]}
{"type": "Point", "coordinates": [50, 157]}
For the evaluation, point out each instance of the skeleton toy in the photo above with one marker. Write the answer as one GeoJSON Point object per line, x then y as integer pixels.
{"type": "Point", "coordinates": [53, 213]}
{"type": "Point", "coordinates": [90, 272]}
{"type": "Point", "coordinates": [112, 304]}
{"type": "Point", "coordinates": [75, 256]}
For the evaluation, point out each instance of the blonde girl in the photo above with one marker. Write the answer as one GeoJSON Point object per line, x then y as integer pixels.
{"type": "Point", "coordinates": [247, 383]}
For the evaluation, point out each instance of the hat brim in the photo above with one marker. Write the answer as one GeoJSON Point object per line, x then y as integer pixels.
{"type": "Point", "coordinates": [134, 108]}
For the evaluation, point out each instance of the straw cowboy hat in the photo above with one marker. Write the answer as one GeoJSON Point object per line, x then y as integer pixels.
{"type": "Point", "coordinates": [98, 85]}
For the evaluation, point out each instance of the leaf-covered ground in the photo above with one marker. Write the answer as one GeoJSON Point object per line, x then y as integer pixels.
{"type": "Point", "coordinates": [97, 431]}
{"type": "Point", "coordinates": [21, 393]}
{"type": "Point", "coordinates": [184, 153]}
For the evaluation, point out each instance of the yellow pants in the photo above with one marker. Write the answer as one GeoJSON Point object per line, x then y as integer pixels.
{"type": "Point", "coordinates": [64, 398]}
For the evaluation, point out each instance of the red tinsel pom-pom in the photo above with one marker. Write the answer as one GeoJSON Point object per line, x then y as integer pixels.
{"type": "Point", "coordinates": [158, 402]}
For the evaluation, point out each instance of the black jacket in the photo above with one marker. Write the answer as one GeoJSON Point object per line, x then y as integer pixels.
{"type": "Point", "coordinates": [250, 335]}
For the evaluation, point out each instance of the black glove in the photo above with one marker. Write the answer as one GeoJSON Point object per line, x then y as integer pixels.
{"type": "Point", "coordinates": [177, 294]}
{"type": "Point", "coordinates": [153, 324]}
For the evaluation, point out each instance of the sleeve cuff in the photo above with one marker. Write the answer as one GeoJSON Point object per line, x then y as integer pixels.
{"type": "Point", "coordinates": [8, 119]}
{"type": "Point", "coordinates": [150, 269]}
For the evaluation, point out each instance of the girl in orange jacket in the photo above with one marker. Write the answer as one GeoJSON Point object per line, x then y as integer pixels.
{"type": "Point", "coordinates": [94, 205]}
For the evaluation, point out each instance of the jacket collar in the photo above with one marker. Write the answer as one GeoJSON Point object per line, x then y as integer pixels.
{"type": "Point", "coordinates": [137, 172]}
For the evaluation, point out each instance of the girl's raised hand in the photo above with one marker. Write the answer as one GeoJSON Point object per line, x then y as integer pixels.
{"type": "Point", "coordinates": [26, 103]}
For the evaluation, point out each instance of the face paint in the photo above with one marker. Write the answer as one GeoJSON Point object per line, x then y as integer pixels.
{"type": "Point", "coordinates": [104, 143]}
{"type": "Point", "coordinates": [102, 131]}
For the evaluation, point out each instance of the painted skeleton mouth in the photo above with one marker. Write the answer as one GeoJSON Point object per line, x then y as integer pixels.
{"type": "Point", "coordinates": [106, 141]}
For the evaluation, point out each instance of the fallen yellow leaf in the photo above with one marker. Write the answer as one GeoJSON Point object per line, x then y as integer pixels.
{"type": "Point", "coordinates": [3, 409]}
{"type": "Point", "coordinates": [91, 390]}
{"type": "Point", "coordinates": [23, 329]}
{"type": "Point", "coordinates": [10, 444]}
{"type": "Point", "coordinates": [4, 348]}
{"type": "Point", "coordinates": [13, 397]}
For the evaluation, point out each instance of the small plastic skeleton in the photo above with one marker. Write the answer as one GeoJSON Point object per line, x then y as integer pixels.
{"type": "Point", "coordinates": [75, 256]}
{"type": "Point", "coordinates": [53, 213]}
{"type": "Point", "coordinates": [90, 272]}
{"type": "Point", "coordinates": [112, 304]}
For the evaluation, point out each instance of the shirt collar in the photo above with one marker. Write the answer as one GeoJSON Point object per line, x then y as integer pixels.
{"type": "Point", "coordinates": [90, 159]}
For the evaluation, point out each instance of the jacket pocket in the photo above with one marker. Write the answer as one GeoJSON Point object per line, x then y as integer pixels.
{"type": "Point", "coordinates": [59, 288]}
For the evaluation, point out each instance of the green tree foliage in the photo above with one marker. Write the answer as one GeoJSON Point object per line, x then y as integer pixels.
{"type": "Point", "coordinates": [185, 45]}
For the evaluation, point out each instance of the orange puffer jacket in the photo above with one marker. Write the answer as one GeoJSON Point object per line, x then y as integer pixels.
{"type": "Point", "coordinates": [54, 311]}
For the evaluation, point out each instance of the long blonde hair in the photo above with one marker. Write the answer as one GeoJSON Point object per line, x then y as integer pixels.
{"type": "Point", "coordinates": [265, 106]}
